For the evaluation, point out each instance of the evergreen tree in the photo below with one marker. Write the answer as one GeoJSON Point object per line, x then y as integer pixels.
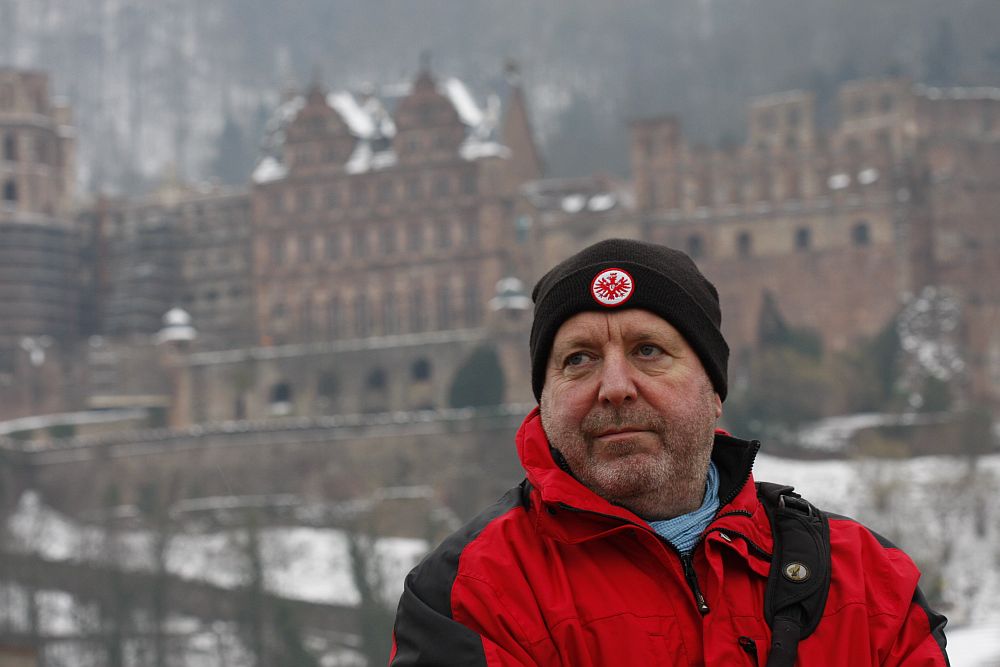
{"type": "Point", "coordinates": [941, 57]}
{"type": "Point", "coordinates": [479, 381]}
{"type": "Point", "coordinates": [233, 160]}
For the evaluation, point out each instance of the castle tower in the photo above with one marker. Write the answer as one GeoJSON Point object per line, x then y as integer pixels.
{"type": "Point", "coordinates": [39, 246]}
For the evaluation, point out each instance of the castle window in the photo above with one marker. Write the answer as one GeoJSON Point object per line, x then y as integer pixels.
{"type": "Point", "coordinates": [10, 148]}
{"type": "Point", "coordinates": [443, 234]}
{"type": "Point", "coordinates": [327, 384]}
{"type": "Point", "coordinates": [469, 183]}
{"type": "Point", "coordinates": [860, 106]}
{"type": "Point", "coordinates": [744, 244]}
{"type": "Point", "coordinates": [861, 234]}
{"type": "Point", "coordinates": [421, 370]}
{"type": "Point", "coordinates": [376, 379]}
{"type": "Point", "coordinates": [695, 246]}
{"type": "Point", "coordinates": [332, 198]}
{"type": "Point", "coordinates": [304, 201]}
{"type": "Point", "coordinates": [885, 102]}
{"type": "Point", "coordinates": [388, 240]}
{"type": "Point", "coordinates": [417, 314]}
{"type": "Point", "coordinates": [794, 117]}
{"type": "Point", "coordinates": [444, 307]}
{"type": "Point", "coordinates": [803, 238]}
{"type": "Point", "coordinates": [332, 246]}
{"type": "Point", "coordinates": [305, 249]}
{"type": "Point", "coordinates": [472, 304]}
{"type": "Point", "coordinates": [413, 190]}
{"type": "Point", "coordinates": [362, 325]}
{"type": "Point", "coordinates": [884, 140]}
{"type": "Point", "coordinates": [390, 314]}
{"type": "Point", "coordinates": [359, 194]}
{"type": "Point", "coordinates": [281, 392]}
{"type": "Point", "coordinates": [442, 186]}
{"type": "Point", "coordinates": [415, 237]}
{"type": "Point", "coordinates": [360, 243]}
{"type": "Point", "coordinates": [306, 318]}
{"type": "Point", "coordinates": [277, 250]}
{"type": "Point", "coordinates": [10, 191]}
{"type": "Point", "coordinates": [333, 327]}
{"type": "Point", "coordinates": [385, 191]}
{"type": "Point", "coordinates": [472, 232]}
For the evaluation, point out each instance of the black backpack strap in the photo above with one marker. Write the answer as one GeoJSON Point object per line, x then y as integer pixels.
{"type": "Point", "coordinates": [799, 580]}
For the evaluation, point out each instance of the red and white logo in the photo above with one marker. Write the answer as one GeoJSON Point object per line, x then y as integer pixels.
{"type": "Point", "coordinates": [612, 287]}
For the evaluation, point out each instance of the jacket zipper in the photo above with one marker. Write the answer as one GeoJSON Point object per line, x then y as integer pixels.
{"type": "Point", "coordinates": [753, 548]}
{"type": "Point", "coordinates": [749, 647]}
{"type": "Point", "coordinates": [692, 580]}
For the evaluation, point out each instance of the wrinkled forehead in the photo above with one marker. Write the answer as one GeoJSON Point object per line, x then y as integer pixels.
{"type": "Point", "coordinates": [633, 324]}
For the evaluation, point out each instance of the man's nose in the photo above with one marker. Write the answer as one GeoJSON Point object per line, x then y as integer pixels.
{"type": "Point", "coordinates": [617, 382]}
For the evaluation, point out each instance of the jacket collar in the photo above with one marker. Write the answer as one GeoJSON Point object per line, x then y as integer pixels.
{"type": "Point", "coordinates": [558, 489]}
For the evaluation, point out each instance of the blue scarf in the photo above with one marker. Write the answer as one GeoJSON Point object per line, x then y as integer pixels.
{"type": "Point", "coordinates": [683, 531]}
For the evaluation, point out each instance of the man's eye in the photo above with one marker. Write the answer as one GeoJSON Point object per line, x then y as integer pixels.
{"type": "Point", "coordinates": [648, 350]}
{"type": "Point", "coordinates": [576, 359]}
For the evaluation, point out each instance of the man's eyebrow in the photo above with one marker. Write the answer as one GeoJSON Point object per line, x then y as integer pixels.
{"type": "Point", "coordinates": [581, 340]}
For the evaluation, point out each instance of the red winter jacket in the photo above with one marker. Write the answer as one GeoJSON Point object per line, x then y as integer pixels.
{"type": "Point", "coordinates": [555, 575]}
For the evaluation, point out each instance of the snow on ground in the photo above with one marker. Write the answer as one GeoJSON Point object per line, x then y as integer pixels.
{"type": "Point", "coordinates": [975, 646]}
{"type": "Point", "coordinates": [312, 564]}
{"type": "Point", "coordinates": [944, 515]}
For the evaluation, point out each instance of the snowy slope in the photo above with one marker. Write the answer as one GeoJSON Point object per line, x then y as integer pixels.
{"type": "Point", "coordinates": [927, 505]}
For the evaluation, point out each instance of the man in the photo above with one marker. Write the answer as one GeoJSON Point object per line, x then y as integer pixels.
{"type": "Point", "coordinates": [638, 537]}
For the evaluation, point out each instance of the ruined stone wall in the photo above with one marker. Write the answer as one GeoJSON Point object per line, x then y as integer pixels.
{"type": "Point", "coordinates": [468, 458]}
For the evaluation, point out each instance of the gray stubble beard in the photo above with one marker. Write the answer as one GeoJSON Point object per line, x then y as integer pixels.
{"type": "Point", "coordinates": [655, 487]}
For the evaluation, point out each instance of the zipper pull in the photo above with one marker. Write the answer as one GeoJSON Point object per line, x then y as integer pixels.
{"type": "Point", "coordinates": [692, 580]}
{"type": "Point", "coordinates": [749, 647]}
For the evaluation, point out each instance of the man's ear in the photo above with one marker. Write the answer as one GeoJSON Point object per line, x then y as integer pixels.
{"type": "Point", "coordinates": [718, 406]}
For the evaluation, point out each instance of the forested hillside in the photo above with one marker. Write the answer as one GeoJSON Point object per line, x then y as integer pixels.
{"type": "Point", "coordinates": [153, 84]}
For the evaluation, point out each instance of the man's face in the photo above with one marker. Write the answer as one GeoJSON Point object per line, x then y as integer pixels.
{"type": "Point", "coordinates": [630, 407]}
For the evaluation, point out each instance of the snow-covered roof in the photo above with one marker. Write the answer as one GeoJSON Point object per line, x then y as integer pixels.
{"type": "Point", "coordinates": [359, 120]}
{"type": "Point", "coordinates": [474, 150]}
{"type": "Point", "coordinates": [367, 116]}
{"type": "Point", "coordinates": [959, 93]}
{"type": "Point", "coordinates": [578, 195]}
{"type": "Point", "coordinates": [461, 99]}
{"type": "Point", "coordinates": [269, 169]}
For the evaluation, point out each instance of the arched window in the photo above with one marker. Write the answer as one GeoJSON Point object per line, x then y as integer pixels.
{"type": "Point", "coordinates": [10, 191]}
{"type": "Point", "coordinates": [803, 238]}
{"type": "Point", "coordinates": [861, 233]}
{"type": "Point", "coordinates": [333, 317]}
{"type": "Point", "coordinates": [390, 314]}
{"type": "Point", "coordinates": [444, 307]}
{"type": "Point", "coordinates": [281, 392]}
{"type": "Point", "coordinates": [376, 380]}
{"type": "Point", "coordinates": [472, 301]}
{"type": "Point", "coordinates": [695, 246]}
{"type": "Point", "coordinates": [421, 370]}
{"type": "Point", "coordinates": [744, 244]}
{"type": "Point", "coordinates": [327, 385]}
{"type": "Point", "coordinates": [362, 323]}
{"type": "Point", "coordinates": [417, 315]}
{"type": "Point", "coordinates": [9, 148]}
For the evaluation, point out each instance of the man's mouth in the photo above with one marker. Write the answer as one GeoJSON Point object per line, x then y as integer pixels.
{"type": "Point", "coordinates": [619, 432]}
